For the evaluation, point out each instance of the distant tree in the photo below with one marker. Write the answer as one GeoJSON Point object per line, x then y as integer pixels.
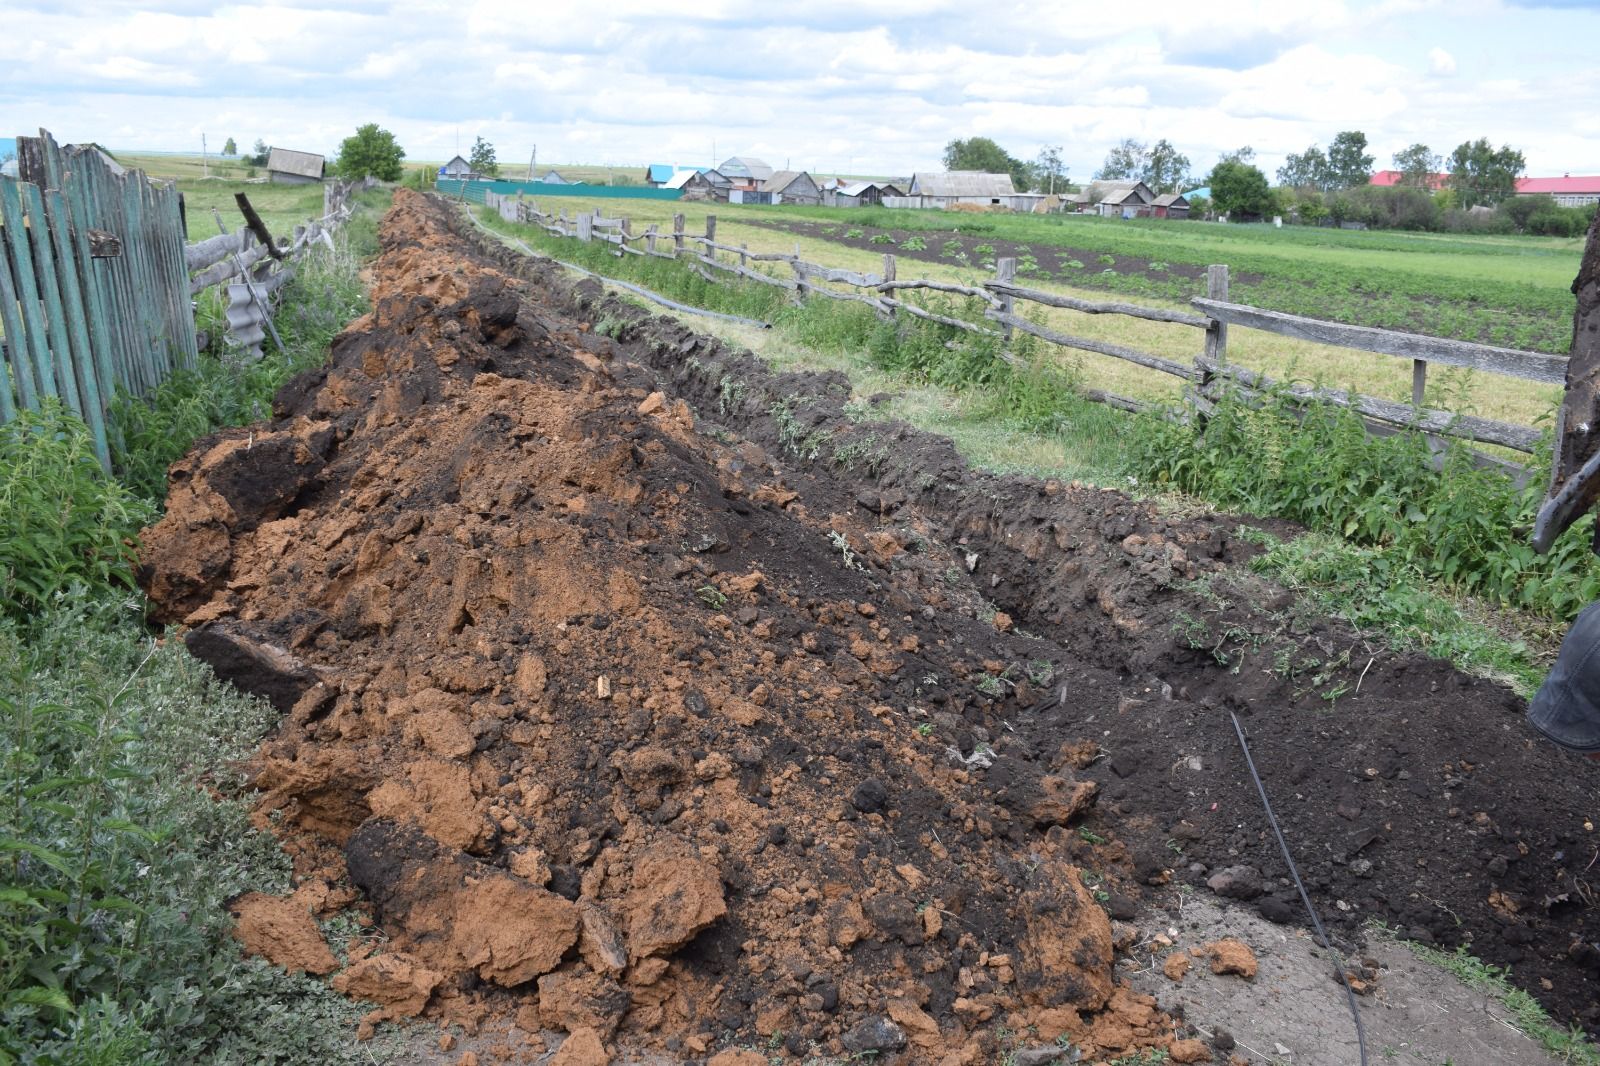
{"type": "Point", "coordinates": [1349, 164]}
{"type": "Point", "coordinates": [1238, 155]}
{"type": "Point", "coordinates": [1048, 170]}
{"type": "Point", "coordinates": [1239, 189]}
{"type": "Point", "coordinates": [1417, 166]}
{"type": "Point", "coordinates": [230, 148]}
{"type": "Point", "coordinates": [483, 161]}
{"type": "Point", "coordinates": [259, 159]}
{"type": "Point", "coordinates": [977, 153]}
{"type": "Point", "coordinates": [1519, 209]}
{"type": "Point", "coordinates": [1307, 170]}
{"type": "Point", "coordinates": [1480, 174]}
{"type": "Point", "coordinates": [1165, 168]}
{"type": "Point", "coordinates": [1125, 162]}
{"type": "Point", "coordinates": [370, 151]}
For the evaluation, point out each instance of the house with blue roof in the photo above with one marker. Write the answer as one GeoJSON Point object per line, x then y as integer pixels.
{"type": "Point", "coordinates": [658, 174]}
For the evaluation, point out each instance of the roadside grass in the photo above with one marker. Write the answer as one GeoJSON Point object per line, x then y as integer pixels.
{"type": "Point", "coordinates": [1569, 1045]}
{"type": "Point", "coordinates": [1330, 288]}
{"type": "Point", "coordinates": [1389, 561]}
{"type": "Point", "coordinates": [124, 819]}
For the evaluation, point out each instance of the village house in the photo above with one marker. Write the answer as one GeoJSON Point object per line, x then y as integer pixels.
{"type": "Point", "coordinates": [286, 167]}
{"type": "Point", "coordinates": [1567, 191]}
{"type": "Point", "coordinates": [745, 173]}
{"type": "Point", "coordinates": [1170, 205]}
{"type": "Point", "coordinates": [657, 175]}
{"type": "Point", "coordinates": [951, 187]}
{"type": "Point", "coordinates": [860, 193]}
{"type": "Point", "coordinates": [790, 187]}
{"type": "Point", "coordinates": [457, 169]}
{"type": "Point", "coordinates": [1388, 179]}
{"type": "Point", "coordinates": [696, 185]}
{"type": "Point", "coordinates": [554, 178]}
{"type": "Point", "coordinates": [1118, 199]}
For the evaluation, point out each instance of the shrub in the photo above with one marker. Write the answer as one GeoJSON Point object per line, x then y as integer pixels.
{"type": "Point", "coordinates": [881, 238]}
{"type": "Point", "coordinates": [63, 521]}
{"type": "Point", "coordinates": [913, 244]}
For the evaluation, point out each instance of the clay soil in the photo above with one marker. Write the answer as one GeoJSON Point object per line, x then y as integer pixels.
{"type": "Point", "coordinates": [638, 693]}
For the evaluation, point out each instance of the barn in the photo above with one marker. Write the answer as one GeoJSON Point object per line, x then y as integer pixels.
{"type": "Point", "coordinates": [693, 184]}
{"type": "Point", "coordinates": [864, 193]}
{"type": "Point", "coordinates": [791, 187]}
{"type": "Point", "coordinates": [951, 187]}
{"type": "Point", "coordinates": [288, 167]}
{"type": "Point", "coordinates": [1120, 199]}
{"type": "Point", "coordinates": [1170, 205]}
{"type": "Point", "coordinates": [744, 171]}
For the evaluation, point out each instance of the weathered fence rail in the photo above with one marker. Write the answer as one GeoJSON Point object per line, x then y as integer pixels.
{"type": "Point", "coordinates": [97, 281]}
{"type": "Point", "coordinates": [1209, 372]}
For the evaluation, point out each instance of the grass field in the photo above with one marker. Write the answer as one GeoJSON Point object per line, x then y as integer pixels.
{"type": "Point", "coordinates": [281, 207]}
{"type": "Point", "coordinates": [1447, 286]}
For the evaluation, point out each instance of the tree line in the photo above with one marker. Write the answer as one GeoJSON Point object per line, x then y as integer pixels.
{"type": "Point", "coordinates": [1474, 187]}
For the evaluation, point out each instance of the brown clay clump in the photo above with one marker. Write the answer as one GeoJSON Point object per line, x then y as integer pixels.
{"type": "Point", "coordinates": [1231, 956]}
{"type": "Point", "coordinates": [617, 733]}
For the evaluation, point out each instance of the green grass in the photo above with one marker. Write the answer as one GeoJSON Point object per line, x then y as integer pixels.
{"type": "Point", "coordinates": [1567, 1045]}
{"type": "Point", "coordinates": [124, 817]}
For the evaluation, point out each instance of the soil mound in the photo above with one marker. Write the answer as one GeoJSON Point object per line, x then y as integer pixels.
{"type": "Point", "coordinates": [615, 730]}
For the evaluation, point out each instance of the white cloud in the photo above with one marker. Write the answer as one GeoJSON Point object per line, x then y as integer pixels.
{"type": "Point", "coordinates": [824, 86]}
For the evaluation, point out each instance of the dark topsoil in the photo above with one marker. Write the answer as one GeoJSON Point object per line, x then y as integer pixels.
{"type": "Point", "coordinates": [479, 508]}
{"type": "Point", "coordinates": [1411, 794]}
{"type": "Point", "coordinates": [980, 250]}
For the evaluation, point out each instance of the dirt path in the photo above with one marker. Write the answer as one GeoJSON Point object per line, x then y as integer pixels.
{"type": "Point", "coordinates": [793, 734]}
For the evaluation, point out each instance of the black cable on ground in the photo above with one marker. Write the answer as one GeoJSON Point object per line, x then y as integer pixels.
{"type": "Point", "coordinates": [1305, 897]}
{"type": "Point", "coordinates": [646, 293]}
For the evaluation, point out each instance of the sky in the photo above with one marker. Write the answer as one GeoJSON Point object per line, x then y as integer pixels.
{"type": "Point", "coordinates": [828, 87]}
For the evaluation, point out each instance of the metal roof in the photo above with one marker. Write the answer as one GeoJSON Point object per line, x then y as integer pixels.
{"type": "Point", "coordinates": [962, 183]}
{"type": "Point", "coordinates": [679, 180]}
{"type": "Point", "coordinates": [288, 161]}
{"type": "Point", "coordinates": [746, 166]}
{"type": "Point", "coordinates": [1564, 184]}
{"type": "Point", "coordinates": [782, 179]}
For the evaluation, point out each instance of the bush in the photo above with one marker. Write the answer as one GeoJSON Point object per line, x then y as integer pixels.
{"type": "Point", "coordinates": [63, 521]}
{"type": "Point", "coordinates": [1317, 465]}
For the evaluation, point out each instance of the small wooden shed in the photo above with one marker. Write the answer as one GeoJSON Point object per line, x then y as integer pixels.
{"type": "Point", "coordinates": [1170, 205]}
{"type": "Point", "coordinates": [791, 187]}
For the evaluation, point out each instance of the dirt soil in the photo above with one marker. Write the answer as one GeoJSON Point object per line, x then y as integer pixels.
{"type": "Point", "coordinates": [1036, 261]}
{"type": "Point", "coordinates": [641, 694]}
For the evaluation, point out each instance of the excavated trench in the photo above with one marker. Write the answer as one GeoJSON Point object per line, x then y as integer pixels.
{"type": "Point", "coordinates": [640, 693]}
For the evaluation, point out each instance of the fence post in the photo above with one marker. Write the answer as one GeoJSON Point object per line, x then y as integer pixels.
{"type": "Point", "coordinates": [1217, 332]}
{"type": "Point", "coordinates": [800, 286]}
{"type": "Point", "coordinates": [626, 232]}
{"type": "Point", "coordinates": [650, 238]}
{"type": "Point", "coordinates": [1005, 272]}
{"type": "Point", "coordinates": [744, 256]}
{"type": "Point", "coordinates": [711, 233]}
{"type": "Point", "coordinates": [888, 275]}
{"type": "Point", "coordinates": [677, 236]}
{"type": "Point", "coordinates": [1419, 381]}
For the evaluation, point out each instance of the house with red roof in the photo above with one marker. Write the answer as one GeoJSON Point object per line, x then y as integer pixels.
{"type": "Point", "coordinates": [1568, 191]}
{"type": "Point", "coordinates": [1391, 178]}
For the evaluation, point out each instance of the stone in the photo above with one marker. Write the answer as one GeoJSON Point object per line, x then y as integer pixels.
{"type": "Point", "coordinates": [876, 1033]}
{"type": "Point", "coordinates": [1236, 882]}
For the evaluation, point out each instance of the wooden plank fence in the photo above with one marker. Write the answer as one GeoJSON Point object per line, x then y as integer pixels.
{"type": "Point", "coordinates": [95, 280]}
{"type": "Point", "coordinates": [1208, 373]}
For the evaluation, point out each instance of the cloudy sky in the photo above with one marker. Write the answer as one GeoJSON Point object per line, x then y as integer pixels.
{"type": "Point", "coordinates": [827, 86]}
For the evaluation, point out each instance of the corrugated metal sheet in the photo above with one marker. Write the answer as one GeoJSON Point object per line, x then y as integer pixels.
{"type": "Point", "coordinates": [961, 183]}
{"type": "Point", "coordinates": [288, 161]}
{"type": "Point", "coordinates": [746, 167]}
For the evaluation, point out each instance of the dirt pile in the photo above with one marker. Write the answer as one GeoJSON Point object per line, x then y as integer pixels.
{"type": "Point", "coordinates": [615, 732]}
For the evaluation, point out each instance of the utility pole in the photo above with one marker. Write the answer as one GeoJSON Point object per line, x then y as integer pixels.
{"type": "Point", "coordinates": [205, 161]}
{"type": "Point", "coordinates": [533, 155]}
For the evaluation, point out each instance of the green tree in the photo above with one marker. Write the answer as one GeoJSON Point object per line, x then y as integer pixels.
{"type": "Point", "coordinates": [1480, 174]}
{"type": "Point", "coordinates": [230, 148]}
{"type": "Point", "coordinates": [1417, 166]}
{"type": "Point", "coordinates": [259, 158]}
{"type": "Point", "coordinates": [483, 161]}
{"type": "Point", "coordinates": [1165, 168]}
{"type": "Point", "coordinates": [1048, 169]}
{"type": "Point", "coordinates": [370, 151]}
{"type": "Point", "coordinates": [1238, 155]}
{"type": "Point", "coordinates": [1239, 189]}
{"type": "Point", "coordinates": [1519, 209]}
{"type": "Point", "coordinates": [1125, 162]}
{"type": "Point", "coordinates": [1349, 164]}
{"type": "Point", "coordinates": [977, 153]}
{"type": "Point", "coordinates": [1307, 170]}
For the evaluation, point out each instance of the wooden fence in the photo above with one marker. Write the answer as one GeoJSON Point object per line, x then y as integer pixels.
{"type": "Point", "coordinates": [96, 292]}
{"type": "Point", "coordinates": [1208, 374]}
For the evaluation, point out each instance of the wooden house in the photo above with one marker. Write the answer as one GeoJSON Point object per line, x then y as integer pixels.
{"type": "Point", "coordinates": [863, 193]}
{"type": "Point", "coordinates": [1170, 205]}
{"type": "Point", "coordinates": [951, 187]}
{"type": "Point", "coordinates": [287, 167]}
{"type": "Point", "coordinates": [1119, 199]}
{"type": "Point", "coordinates": [791, 187]}
{"type": "Point", "coordinates": [744, 172]}
{"type": "Point", "coordinates": [554, 178]}
{"type": "Point", "coordinates": [693, 184]}
{"type": "Point", "coordinates": [457, 169]}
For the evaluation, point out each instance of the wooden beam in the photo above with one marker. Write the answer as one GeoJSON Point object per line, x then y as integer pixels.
{"type": "Point", "coordinates": [1116, 351]}
{"type": "Point", "coordinates": [1531, 366]}
{"type": "Point", "coordinates": [1092, 307]}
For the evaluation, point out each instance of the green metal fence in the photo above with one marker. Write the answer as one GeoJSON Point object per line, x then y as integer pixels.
{"type": "Point", "coordinates": [472, 191]}
{"type": "Point", "coordinates": [94, 292]}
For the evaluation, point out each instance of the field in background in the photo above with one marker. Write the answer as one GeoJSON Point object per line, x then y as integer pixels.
{"type": "Point", "coordinates": [1459, 280]}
